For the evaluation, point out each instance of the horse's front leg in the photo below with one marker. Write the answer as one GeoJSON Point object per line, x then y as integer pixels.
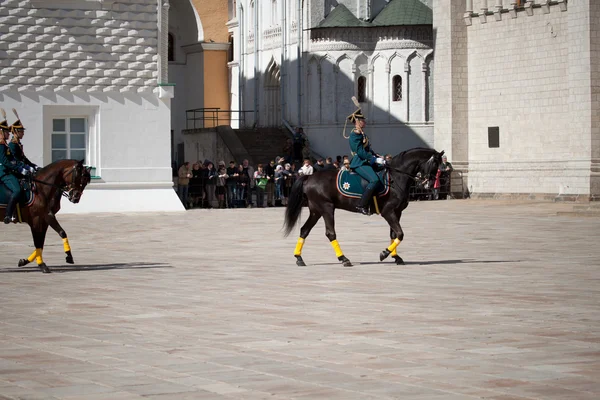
{"type": "Point", "coordinates": [39, 227]}
{"type": "Point", "coordinates": [51, 220]}
{"type": "Point", "coordinates": [396, 235]}
{"type": "Point", "coordinates": [330, 233]}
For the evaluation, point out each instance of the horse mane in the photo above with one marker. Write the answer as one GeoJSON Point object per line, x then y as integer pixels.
{"type": "Point", "coordinates": [400, 156]}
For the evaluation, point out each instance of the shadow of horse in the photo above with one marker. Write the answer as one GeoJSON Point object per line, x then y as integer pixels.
{"type": "Point", "coordinates": [90, 267]}
{"type": "Point", "coordinates": [432, 262]}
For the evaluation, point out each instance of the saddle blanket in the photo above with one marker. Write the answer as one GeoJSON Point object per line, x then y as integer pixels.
{"type": "Point", "coordinates": [350, 184]}
{"type": "Point", "coordinates": [27, 195]}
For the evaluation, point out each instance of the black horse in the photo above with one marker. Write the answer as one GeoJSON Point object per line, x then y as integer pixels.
{"type": "Point", "coordinates": [61, 178]}
{"type": "Point", "coordinates": [319, 192]}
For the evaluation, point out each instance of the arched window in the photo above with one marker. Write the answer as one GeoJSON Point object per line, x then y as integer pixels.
{"type": "Point", "coordinates": [397, 88]}
{"type": "Point", "coordinates": [171, 47]}
{"type": "Point", "coordinates": [362, 89]}
{"type": "Point", "coordinates": [274, 14]}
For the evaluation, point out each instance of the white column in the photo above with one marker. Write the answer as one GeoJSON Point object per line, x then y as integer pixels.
{"type": "Point", "coordinates": [424, 91]}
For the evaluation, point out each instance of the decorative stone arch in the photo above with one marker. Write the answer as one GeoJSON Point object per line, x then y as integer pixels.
{"type": "Point", "coordinates": [376, 57]}
{"type": "Point", "coordinates": [392, 58]}
{"type": "Point", "coordinates": [272, 94]}
{"type": "Point", "coordinates": [313, 89]}
{"type": "Point", "coordinates": [339, 60]}
{"type": "Point", "coordinates": [360, 68]}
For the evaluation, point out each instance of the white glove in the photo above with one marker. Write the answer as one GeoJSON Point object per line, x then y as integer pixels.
{"type": "Point", "coordinates": [380, 161]}
{"type": "Point", "coordinates": [31, 169]}
{"type": "Point", "coordinates": [25, 171]}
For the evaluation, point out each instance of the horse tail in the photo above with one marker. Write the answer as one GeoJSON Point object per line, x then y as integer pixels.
{"type": "Point", "coordinates": [294, 205]}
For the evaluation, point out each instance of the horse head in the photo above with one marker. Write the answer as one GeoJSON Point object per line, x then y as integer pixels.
{"type": "Point", "coordinates": [70, 177]}
{"type": "Point", "coordinates": [418, 163]}
{"type": "Point", "coordinates": [76, 179]}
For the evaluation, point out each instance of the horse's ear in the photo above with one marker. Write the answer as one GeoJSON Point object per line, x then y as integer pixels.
{"type": "Point", "coordinates": [441, 153]}
{"type": "Point", "coordinates": [88, 169]}
{"type": "Point", "coordinates": [81, 161]}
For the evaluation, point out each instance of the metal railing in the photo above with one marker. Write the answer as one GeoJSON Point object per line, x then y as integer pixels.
{"type": "Point", "coordinates": [210, 117]}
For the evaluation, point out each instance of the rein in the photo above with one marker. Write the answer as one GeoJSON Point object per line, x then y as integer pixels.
{"type": "Point", "coordinates": [64, 189]}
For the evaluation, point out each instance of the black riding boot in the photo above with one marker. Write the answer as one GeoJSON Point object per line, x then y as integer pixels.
{"type": "Point", "coordinates": [365, 200]}
{"type": "Point", "coordinates": [9, 215]}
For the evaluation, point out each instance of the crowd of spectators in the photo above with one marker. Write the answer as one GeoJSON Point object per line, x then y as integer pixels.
{"type": "Point", "coordinates": [204, 185]}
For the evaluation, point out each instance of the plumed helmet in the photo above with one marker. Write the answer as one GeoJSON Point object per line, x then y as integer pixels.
{"type": "Point", "coordinates": [16, 125]}
{"type": "Point", "coordinates": [356, 115]}
{"type": "Point", "coordinates": [4, 125]}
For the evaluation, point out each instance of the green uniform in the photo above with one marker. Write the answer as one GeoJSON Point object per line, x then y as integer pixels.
{"type": "Point", "coordinates": [363, 158]}
{"type": "Point", "coordinates": [9, 166]}
{"type": "Point", "coordinates": [17, 150]}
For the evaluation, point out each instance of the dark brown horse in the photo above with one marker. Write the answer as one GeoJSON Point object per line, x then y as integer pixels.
{"type": "Point", "coordinates": [62, 178]}
{"type": "Point", "coordinates": [319, 192]}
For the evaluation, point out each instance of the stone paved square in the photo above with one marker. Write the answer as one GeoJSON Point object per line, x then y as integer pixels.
{"type": "Point", "coordinates": [497, 300]}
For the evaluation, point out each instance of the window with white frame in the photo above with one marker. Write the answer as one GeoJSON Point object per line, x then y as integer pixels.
{"type": "Point", "coordinates": [69, 138]}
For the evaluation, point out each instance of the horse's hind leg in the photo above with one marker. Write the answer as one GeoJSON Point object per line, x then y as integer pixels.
{"type": "Point", "coordinates": [51, 219]}
{"type": "Point", "coordinates": [330, 233]}
{"type": "Point", "coordinates": [304, 231]}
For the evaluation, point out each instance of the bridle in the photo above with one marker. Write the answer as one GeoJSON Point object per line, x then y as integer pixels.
{"type": "Point", "coordinates": [66, 190]}
{"type": "Point", "coordinates": [415, 178]}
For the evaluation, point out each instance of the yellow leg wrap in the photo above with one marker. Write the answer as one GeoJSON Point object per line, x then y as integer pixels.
{"type": "Point", "coordinates": [393, 253]}
{"type": "Point", "coordinates": [66, 245]}
{"type": "Point", "coordinates": [32, 256]}
{"type": "Point", "coordinates": [38, 256]}
{"type": "Point", "coordinates": [298, 250]}
{"type": "Point", "coordinates": [394, 244]}
{"type": "Point", "coordinates": [336, 247]}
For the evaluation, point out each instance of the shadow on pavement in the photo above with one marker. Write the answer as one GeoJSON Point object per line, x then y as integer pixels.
{"type": "Point", "coordinates": [432, 262]}
{"type": "Point", "coordinates": [32, 267]}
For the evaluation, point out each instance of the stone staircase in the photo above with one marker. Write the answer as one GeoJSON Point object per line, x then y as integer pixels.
{"type": "Point", "coordinates": [591, 209]}
{"type": "Point", "coordinates": [262, 144]}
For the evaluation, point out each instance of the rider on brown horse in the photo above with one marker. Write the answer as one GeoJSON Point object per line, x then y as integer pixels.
{"type": "Point", "coordinates": [8, 166]}
{"type": "Point", "coordinates": [363, 159]}
{"type": "Point", "coordinates": [16, 146]}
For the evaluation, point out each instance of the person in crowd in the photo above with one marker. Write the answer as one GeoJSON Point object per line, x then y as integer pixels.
{"type": "Point", "coordinates": [243, 184]}
{"type": "Point", "coordinates": [328, 164]}
{"type": "Point", "coordinates": [221, 183]}
{"type": "Point", "coordinates": [336, 165]}
{"type": "Point", "coordinates": [288, 180]}
{"type": "Point", "coordinates": [196, 191]}
{"type": "Point", "coordinates": [288, 151]}
{"type": "Point", "coordinates": [270, 188]}
{"type": "Point", "coordinates": [346, 165]}
{"type": "Point", "coordinates": [184, 174]}
{"type": "Point", "coordinates": [259, 175]}
{"type": "Point", "coordinates": [250, 172]}
{"type": "Point", "coordinates": [279, 183]}
{"type": "Point", "coordinates": [319, 166]}
{"type": "Point", "coordinates": [363, 160]}
{"type": "Point", "coordinates": [446, 169]}
{"type": "Point", "coordinates": [306, 169]}
{"type": "Point", "coordinates": [231, 183]}
{"type": "Point", "coordinates": [298, 143]}
{"type": "Point", "coordinates": [210, 186]}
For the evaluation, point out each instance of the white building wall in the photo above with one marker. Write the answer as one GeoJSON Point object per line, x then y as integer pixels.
{"type": "Point", "coordinates": [521, 84]}
{"type": "Point", "coordinates": [98, 61]}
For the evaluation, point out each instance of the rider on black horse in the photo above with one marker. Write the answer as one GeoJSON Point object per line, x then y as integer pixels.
{"type": "Point", "coordinates": [363, 159]}
{"type": "Point", "coordinates": [8, 166]}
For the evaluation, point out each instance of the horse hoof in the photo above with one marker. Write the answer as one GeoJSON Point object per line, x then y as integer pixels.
{"type": "Point", "coordinates": [399, 260]}
{"type": "Point", "coordinates": [70, 259]}
{"type": "Point", "coordinates": [44, 268]}
{"type": "Point", "coordinates": [345, 261]}
{"type": "Point", "coordinates": [384, 254]}
{"type": "Point", "coordinates": [23, 262]}
{"type": "Point", "coordinates": [300, 262]}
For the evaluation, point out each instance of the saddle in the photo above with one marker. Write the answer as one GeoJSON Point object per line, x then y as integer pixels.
{"type": "Point", "coordinates": [27, 194]}
{"type": "Point", "coordinates": [350, 184]}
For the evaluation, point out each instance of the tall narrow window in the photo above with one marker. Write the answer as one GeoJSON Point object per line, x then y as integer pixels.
{"type": "Point", "coordinates": [69, 138]}
{"type": "Point", "coordinates": [362, 89]}
{"type": "Point", "coordinates": [171, 49]}
{"type": "Point", "coordinates": [274, 15]}
{"type": "Point", "coordinates": [397, 88]}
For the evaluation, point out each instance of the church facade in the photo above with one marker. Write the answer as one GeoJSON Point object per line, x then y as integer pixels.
{"type": "Point", "coordinates": [299, 64]}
